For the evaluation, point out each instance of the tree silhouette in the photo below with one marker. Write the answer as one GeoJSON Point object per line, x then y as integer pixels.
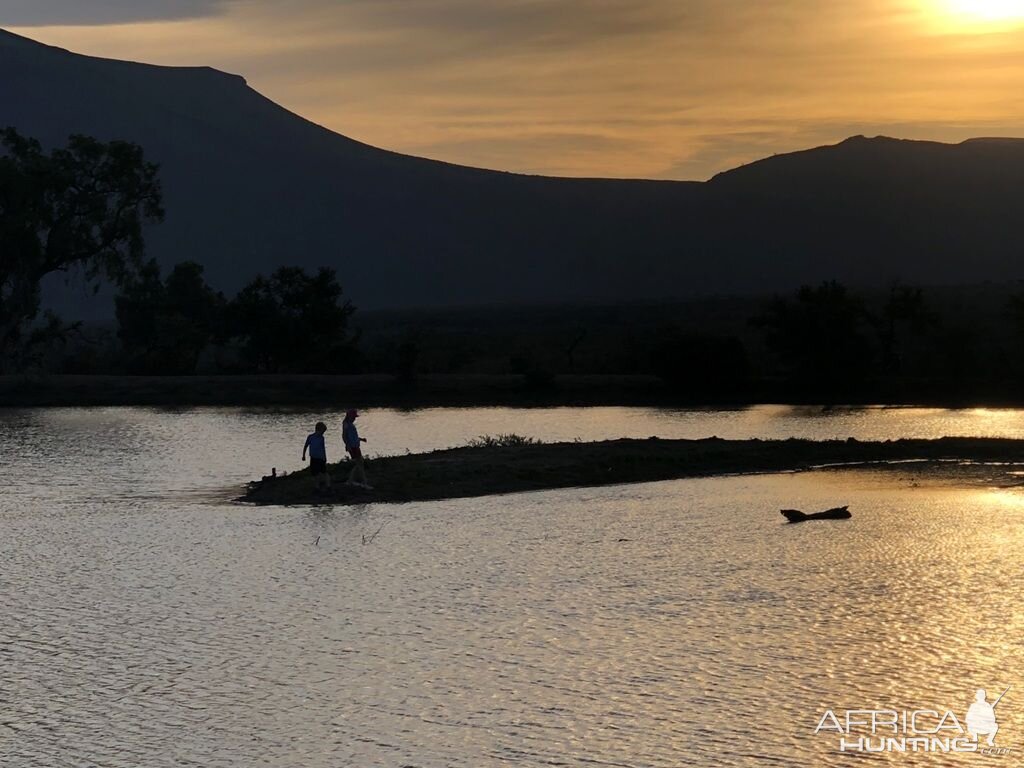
{"type": "Point", "coordinates": [903, 313]}
{"type": "Point", "coordinates": [165, 325]}
{"type": "Point", "coordinates": [292, 322]}
{"type": "Point", "coordinates": [1014, 320]}
{"type": "Point", "coordinates": [700, 364]}
{"type": "Point", "coordinates": [820, 335]}
{"type": "Point", "coordinates": [79, 208]}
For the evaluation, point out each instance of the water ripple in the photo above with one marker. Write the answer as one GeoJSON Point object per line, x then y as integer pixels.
{"type": "Point", "coordinates": [659, 625]}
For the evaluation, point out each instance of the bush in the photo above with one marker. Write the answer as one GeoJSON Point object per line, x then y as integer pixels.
{"type": "Point", "coordinates": [501, 441]}
{"type": "Point", "coordinates": [701, 364]}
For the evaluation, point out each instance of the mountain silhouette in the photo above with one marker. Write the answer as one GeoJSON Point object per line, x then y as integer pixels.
{"type": "Point", "coordinates": [250, 186]}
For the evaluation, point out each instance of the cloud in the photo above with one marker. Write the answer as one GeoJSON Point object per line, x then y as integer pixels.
{"type": "Point", "coordinates": [565, 152]}
{"type": "Point", "coordinates": [46, 12]}
{"type": "Point", "coordinates": [660, 88]}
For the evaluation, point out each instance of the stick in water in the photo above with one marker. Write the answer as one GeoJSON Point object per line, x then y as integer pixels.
{"type": "Point", "coordinates": [370, 540]}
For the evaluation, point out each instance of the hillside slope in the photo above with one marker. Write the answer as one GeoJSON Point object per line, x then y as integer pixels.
{"type": "Point", "coordinates": [250, 186]}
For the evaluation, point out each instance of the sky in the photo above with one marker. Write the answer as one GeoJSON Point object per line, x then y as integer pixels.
{"type": "Point", "coordinates": [675, 89]}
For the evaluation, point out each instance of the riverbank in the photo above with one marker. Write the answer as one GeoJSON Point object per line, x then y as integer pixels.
{"type": "Point", "coordinates": [366, 391]}
{"type": "Point", "coordinates": [452, 390]}
{"type": "Point", "coordinates": [488, 470]}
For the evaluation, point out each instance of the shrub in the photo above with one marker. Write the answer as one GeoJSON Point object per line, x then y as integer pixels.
{"type": "Point", "coordinates": [501, 441]}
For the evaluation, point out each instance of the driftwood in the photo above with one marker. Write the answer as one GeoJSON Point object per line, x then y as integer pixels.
{"type": "Point", "coordinates": [836, 513]}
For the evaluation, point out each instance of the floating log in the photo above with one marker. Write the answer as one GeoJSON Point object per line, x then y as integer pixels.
{"type": "Point", "coordinates": [836, 513]}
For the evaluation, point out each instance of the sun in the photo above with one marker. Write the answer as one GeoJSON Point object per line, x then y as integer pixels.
{"type": "Point", "coordinates": [988, 10]}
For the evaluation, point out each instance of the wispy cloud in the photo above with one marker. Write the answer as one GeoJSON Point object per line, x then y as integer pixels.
{"type": "Point", "coordinates": [44, 12]}
{"type": "Point", "coordinates": [662, 88]}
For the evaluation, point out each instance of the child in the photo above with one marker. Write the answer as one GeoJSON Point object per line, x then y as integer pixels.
{"type": "Point", "coordinates": [317, 456]}
{"type": "Point", "coordinates": [350, 436]}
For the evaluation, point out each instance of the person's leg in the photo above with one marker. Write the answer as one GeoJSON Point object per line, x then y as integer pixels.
{"type": "Point", "coordinates": [358, 474]}
{"type": "Point", "coordinates": [354, 457]}
{"type": "Point", "coordinates": [318, 467]}
{"type": "Point", "coordinates": [361, 467]}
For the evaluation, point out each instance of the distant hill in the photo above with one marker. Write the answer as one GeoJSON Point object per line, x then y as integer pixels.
{"type": "Point", "coordinates": [250, 186]}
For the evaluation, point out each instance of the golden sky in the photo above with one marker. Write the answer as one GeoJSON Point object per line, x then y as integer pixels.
{"type": "Point", "coordinates": [634, 88]}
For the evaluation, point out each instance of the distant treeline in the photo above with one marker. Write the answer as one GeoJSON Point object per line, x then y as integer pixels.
{"type": "Point", "coordinates": [823, 343]}
{"type": "Point", "coordinates": [82, 209]}
{"type": "Point", "coordinates": [289, 322]}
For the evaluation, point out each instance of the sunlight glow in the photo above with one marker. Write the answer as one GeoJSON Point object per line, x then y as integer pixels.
{"type": "Point", "coordinates": [988, 10]}
{"type": "Point", "coordinates": [611, 102]}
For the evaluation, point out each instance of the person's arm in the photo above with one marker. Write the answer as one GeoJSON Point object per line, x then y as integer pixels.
{"type": "Point", "coordinates": [304, 448]}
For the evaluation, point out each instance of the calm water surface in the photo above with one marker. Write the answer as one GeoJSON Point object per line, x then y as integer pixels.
{"type": "Point", "coordinates": [147, 621]}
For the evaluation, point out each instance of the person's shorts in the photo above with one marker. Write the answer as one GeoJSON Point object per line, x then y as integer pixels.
{"type": "Point", "coordinates": [356, 453]}
{"type": "Point", "coordinates": [318, 466]}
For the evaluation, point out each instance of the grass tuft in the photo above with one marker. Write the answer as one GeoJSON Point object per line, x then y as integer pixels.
{"type": "Point", "coordinates": [502, 441]}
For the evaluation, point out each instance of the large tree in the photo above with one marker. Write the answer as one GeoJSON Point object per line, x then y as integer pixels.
{"type": "Point", "coordinates": [293, 322]}
{"type": "Point", "coordinates": [164, 325]}
{"type": "Point", "coordinates": [822, 335]}
{"type": "Point", "coordinates": [77, 208]}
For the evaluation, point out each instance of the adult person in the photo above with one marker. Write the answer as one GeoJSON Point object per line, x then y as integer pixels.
{"type": "Point", "coordinates": [350, 436]}
{"type": "Point", "coordinates": [981, 718]}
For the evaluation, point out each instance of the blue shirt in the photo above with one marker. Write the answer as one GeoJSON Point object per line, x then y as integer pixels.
{"type": "Point", "coordinates": [349, 434]}
{"type": "Point", "coordinates": [315, 444]}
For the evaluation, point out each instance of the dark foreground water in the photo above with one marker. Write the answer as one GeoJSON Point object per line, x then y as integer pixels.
{"type": "Point", "coordinates": [147, 621]}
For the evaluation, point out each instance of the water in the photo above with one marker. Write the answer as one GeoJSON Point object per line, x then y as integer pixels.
{"type": "Point", "coordinates": [147, 621]}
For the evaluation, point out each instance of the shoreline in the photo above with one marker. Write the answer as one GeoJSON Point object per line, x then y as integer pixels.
{"type": "Point", "coordinates": [364, 390]}
{"type": "Point", "coordinates": [459, 390]}
{"type": "Point", "coordinates": [469, 472]}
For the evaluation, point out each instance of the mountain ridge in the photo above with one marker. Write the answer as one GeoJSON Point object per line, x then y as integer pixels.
{"type": "Point", "coordinates": [250, 185]}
